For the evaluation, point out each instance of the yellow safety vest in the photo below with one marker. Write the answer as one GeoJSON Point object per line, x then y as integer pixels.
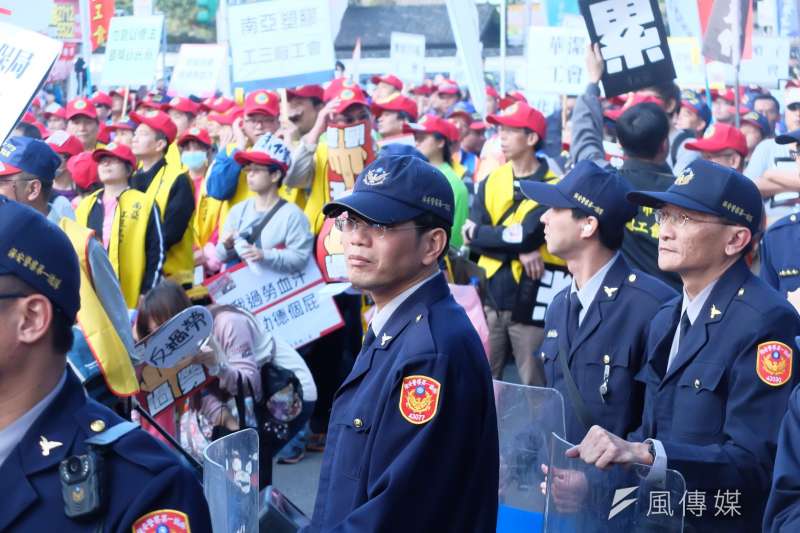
{"type": "Point", "coordinates": [206, 217]}
{"type": "Point", "coordinates": [179, 264]}
{"type": "Point", "coordinates": [319, 194]}
{"type": "Point", "coordinates": [498, 200]}
{"type": "Point", "coordinates": [104, 342]}
{"type": "Point", "coordinates": [126, 247]}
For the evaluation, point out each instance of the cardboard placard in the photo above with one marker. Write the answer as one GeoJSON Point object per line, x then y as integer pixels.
{"type": "Point", "coordinates": [633, 42]}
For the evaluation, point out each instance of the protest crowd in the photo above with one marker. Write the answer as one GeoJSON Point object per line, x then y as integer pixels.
{"type": "Point", "coordinates": [357, 268]}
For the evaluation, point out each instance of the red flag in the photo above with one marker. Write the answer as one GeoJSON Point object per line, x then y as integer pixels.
{"type": "Point", "coordinates": [719, 35]}
{"type": "Point", "coordinates": [100, 13]}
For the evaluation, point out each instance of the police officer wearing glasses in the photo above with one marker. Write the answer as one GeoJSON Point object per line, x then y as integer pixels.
{"type": "Point", "coordinates": [412, 442]}
{"type": "Point", "coordinates": [719, 358]}
{"type": "Point", "coordinates": [68, 463]}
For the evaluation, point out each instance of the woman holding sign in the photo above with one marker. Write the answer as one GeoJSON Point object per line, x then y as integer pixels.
{"type": "Point", "coordinates": [265, 230]}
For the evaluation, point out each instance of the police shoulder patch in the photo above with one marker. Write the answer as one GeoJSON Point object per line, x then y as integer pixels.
{"type": "Point", "coordinates": [774, 363]}
{"type": "Point", "coordinates": [419, 398]}
{"type": "Point", "coordinates": [162, 521]}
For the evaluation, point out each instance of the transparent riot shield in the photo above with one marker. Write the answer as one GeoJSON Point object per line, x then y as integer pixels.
{"type": "Point", "coordinates": [527, 417]}
{"type": "Point", "coordinates": [230, 482]}
{"type": "Point", "coordinates": [628, 498]}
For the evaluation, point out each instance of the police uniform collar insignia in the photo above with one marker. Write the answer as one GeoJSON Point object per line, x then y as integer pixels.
{"type": "Point", "coordinates": [48, 445]}
{"type": "Point", "coordinates": [610, 291]}
{"type": "Point", "coordinates": [685, 177]}
{"type": "Point", "coordinates": [552, 334]}
{"type": "Point", "coordinates": [385, 338]}
{"type": "Point", "coordinates": [715, 312]}
{"type": "Point", "coordinates": [375, 176]}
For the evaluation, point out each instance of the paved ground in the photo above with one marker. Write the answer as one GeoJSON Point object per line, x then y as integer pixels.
{"type": "Point", "coordinates": [299, 482]}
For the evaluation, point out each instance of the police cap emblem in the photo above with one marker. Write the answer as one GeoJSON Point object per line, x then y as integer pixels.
{"type": "Point", "coordinates": [375, 176]}
{"type": "Point", "coordinates": [685, 177]}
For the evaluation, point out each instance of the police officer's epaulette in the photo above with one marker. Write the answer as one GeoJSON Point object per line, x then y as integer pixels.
{"type": "Point", "coordinates": [760, 298]}
{"type": "Point", "coordinates": [785, 222]}
{"type": "Point", "coordinates": [420, 334]}
{"type": "Point", "coordinates": [650, 286]}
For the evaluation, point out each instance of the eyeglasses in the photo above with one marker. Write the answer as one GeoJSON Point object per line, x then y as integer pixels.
{"type": "Point", "coordinates": [351, 225]}
{"type": "Point", "coordinates": [12, 295]}
{"type": "Point", "coordinates": [680, 220]}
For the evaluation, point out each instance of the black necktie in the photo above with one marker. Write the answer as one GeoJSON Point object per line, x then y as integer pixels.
{"type": "Point", "coordinates": [573, 315]}
{"type": "Point", "coordinates": [685, 325]}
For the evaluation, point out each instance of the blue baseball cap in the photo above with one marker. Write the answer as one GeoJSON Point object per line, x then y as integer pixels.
{"type": "Point", "coordinates": [395, 189]}
{"type": "Point", "coordinates": [595, 191]}
{"type": "Point", "coordinates": [710, 188]}
{"type": "Point", "coordinates": [38, 253]}
{"type": "Point", "coordinates": [788, 138]}
{"type": "Point", "coordinates": [695, 102]}
{"type": "Point", "coordinates": [23, 154]}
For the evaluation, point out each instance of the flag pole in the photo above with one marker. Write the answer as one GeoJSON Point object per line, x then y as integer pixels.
{"type": "Point", "coordinates": [737, 55]}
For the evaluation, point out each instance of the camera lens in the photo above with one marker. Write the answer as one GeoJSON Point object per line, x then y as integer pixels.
{"type": "Point", "coordinates": [74, 465]}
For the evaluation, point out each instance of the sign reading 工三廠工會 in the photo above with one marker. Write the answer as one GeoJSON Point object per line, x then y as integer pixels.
{"type": "Point", "coordinates": [282, 43]}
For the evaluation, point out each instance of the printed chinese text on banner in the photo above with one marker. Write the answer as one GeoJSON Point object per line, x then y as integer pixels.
{"type": "Point", "coordinates": [559, 56]}
{"type": "Point", "coordinates": [198, 71]}
{"type": "Point", "coordinates": [100, 13]}
{"type": "Point", "coordinates": [132, 50]}
{"type": "Point", "coordinates": [282, 43]}
{"type": "Point", "coordinates": [633, 42]}
{"type": "Point", "coordinates": [407, 55]}
{"type": "Point", "coordinates": [28, 57]}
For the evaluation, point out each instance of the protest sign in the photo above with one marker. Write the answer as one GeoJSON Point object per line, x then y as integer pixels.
{"type": "Point", "coordinates": [559, 56]}
{"type": "Point", "coordinates": [33, 15]}
{"type": "Point", "coordinates": [161, 387]}
{"type": "Point", "coordinates": [179, 337]}
{"type": "Point", "coordinates": [25, 59]}
{"type": "Point", "coordinates": [282, 43]}
{"type": "Point", "coordinates": [633, 42]}
{"type": "Point", "coordinates": [407, 54]}
{"type": "Point", "coordinates": [683, 18]}
{"type": "Point", "coordinates": [198, 70]}
{"type": "Point", "coordinates": [289, 305]}
{"type": "Point", "coordinates": [132, 50]}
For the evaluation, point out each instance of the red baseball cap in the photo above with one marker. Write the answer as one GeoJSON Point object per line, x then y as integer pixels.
{"type": "Point", "coordinates": [7, 170]}
{"type": "Point", "coordinates": [521, 115]}
{"type": "Point", "coordinates": [719, 137]}
{"type": "Point", "coordinates": [120, 151]}
{"type": "Point", "coordinates": [396, 102]}
{"type": "Point", "coordinates": [83, 169]}
{"type": "Point", "coordinates": [148, 103]}
{"type": "Point", "coordinates": [335, 86]}
{"type": "Point", "coordinates": [101, 98]}
{"type": "Point", "coordinates": [478, 125]}
{"type": "Point", "coordinates": [103, 134]}
{"type": "Point", "coordinates": [36, 102]}
{"type": "Point", "coordinates": [81, 106]}
{"type": "Point", "coordinates": [306, 91]}
{"type": "Point", "coordinates": [636, 99]}
{"type": "Point", "coordinates": [65, 144]}
{"type": "Point", "coordinates": [349, 96]}
{"type": "Point", "coordinates": [195, 134]}
{"type": "Point", "coordinates": [448, 87]}
{"type": "Point", "coordinates": [127, 125]}
{"type": "Point", "coordinates": [423, 90]}
{"type": "Point", "coordinates": [434, 124]}
{"type": "Point", "coordinates": [227, 118]}
{"type": "Point", "coordinates": [391, 79]}
{"type": "Point", "coordinates": [159, 121]}
{"type": "Point", "coordinates": [185, 105]}
{"type": "Point", "coordinates": [511, 98]}
{"type": "Point", "coordinates": [59, 113]}
{"type": "Point", "coordinates": [262, 101]}
{"type": "Point", "coordinates": [219, 104]}
{"type": "Point", "coordinates": [30, 119]}
{"type": "Point", "coordinates": [268, 150]}
{"type": "Point", "coordinates": [491, 92]}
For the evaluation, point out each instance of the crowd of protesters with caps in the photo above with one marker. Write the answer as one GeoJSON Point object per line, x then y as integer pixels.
{"type": "Point", "coordinates": [170, 184]}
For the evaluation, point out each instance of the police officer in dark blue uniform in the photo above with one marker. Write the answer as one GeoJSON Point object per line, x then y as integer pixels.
{"type": "Point", "coordinates": [719, 359]}
{"type": "Point", "coordinates": [780, 259]}
{"type": "Point", "coordinates": [783, 507]}
{"type": "Point", "coordinates": [68, 463]}
{"type": "Point", "coordinates": [412, 441]}
{"type": "Point", "coordinates": [596, 329]}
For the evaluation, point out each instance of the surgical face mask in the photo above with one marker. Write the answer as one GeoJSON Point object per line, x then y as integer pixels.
{"type": "Point", "coordinates": [194, 159]}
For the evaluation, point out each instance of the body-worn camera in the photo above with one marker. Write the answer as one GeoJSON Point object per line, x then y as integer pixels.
{"type": "Point", "coordinates": [82, 484]}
